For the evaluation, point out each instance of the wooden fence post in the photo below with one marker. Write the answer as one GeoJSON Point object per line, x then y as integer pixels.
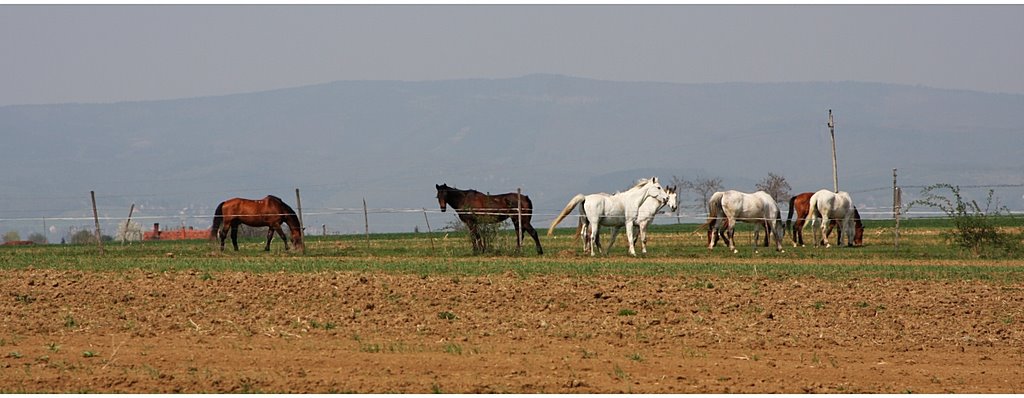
{"type": "Point", "coordinates": [126, 223]}
{"type": "Point", "coordinates": [430, 233]}
{"type": "Point", "coordinates": [366, 221]}
{"type": "Point", "coordinates": [96, 218]}
{"type": "Point", "coordinates": [519, 214]}
{"type": "Point", "coordinates": [302, 225]}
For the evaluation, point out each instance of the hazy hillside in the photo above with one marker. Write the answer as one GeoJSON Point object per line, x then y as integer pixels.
{"type": "Point", "coordinates": [554, 136]}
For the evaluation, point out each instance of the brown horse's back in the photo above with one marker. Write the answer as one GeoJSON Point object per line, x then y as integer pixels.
{"type": "Point", "coordinates": [256, 213]}
{"type": "Point", "coordinates": [497, 208]}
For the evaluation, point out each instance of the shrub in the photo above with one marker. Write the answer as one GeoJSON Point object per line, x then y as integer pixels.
{"type": "Point", "coordinates": [37, 238]}
{"type": "Point", "coordinates": [974, 228]}
{"type": "Point", "coordinates": [12, 236]}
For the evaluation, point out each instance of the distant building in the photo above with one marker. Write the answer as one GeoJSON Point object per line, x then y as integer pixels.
{"type": "Point", "coordinates": [175, 234]}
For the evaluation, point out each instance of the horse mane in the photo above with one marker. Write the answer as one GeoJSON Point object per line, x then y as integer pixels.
{"type": "Point", "coordinates": [639, 183]}
{"type": "Point", "coordinates": [289, 213]}
{"type": "Point", "coordinates": [445, 187]}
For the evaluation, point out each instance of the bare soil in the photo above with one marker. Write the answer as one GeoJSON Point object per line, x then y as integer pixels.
{"type": "Point", "coordinates": [197, 332]}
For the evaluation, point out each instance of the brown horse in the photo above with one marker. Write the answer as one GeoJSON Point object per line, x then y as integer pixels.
{"type": "Point", "coordinates": [474, 208]}
{"type": "Point", "coordinates": [270, 211]}
{"type": "Point", "coordinates": [801, 204]}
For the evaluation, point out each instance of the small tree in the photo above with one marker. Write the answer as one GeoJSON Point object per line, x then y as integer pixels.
{"type": "Point", "coordinates": [974, 227]}
{"type": "Point", "coordinates": [492, 241]}
{"type": "Point", "coordinates": [131, 233]}
{"type": "Point", "coordinates": [12, 236]}
{"type": "Point", "coordinates": [776, 186]}
{"type": "Point", "coordinates": [705, 187]}
{"type": "Point", "coordinates": [83, 237]}
{"type": "Point", "coordinates": [38, 238]}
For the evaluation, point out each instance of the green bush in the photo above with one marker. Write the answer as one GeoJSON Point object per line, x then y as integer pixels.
{"type": "Point", "coordinates": [974, 228]}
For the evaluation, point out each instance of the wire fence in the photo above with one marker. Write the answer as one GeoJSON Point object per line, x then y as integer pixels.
{"type": "Point", "coordinates": [336, 220]}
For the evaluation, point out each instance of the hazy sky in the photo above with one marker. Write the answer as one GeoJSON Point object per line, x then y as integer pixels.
{"type": "Point", "coordinates": [107, 53]}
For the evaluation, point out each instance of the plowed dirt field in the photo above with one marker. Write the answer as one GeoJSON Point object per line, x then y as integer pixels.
{"type": "Point", "coordinates": [195, 332]}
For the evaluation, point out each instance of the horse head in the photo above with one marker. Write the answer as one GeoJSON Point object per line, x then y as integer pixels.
{"type": "Point", "coordinates": [297, 238]}
{"type": "Point", "coordinates": [858, 228]}
{"type": "Point", "coordinates": [656, 191]}
{"type": "Point", "coordinates": [442, 190]}
{"type": "Point", "coordinates": [673, 198]}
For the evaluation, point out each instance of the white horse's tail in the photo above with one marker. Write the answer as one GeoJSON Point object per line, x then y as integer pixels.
{"type": "Point", "coordinates": [714, 210]}
{"type": "Point", "coordinates": [565, 212]}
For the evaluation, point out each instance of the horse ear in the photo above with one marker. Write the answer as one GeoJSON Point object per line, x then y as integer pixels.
{"type": "Point", "coordinates": [654, 180]}
{"type": "Point", "coordinates": [437, 186]}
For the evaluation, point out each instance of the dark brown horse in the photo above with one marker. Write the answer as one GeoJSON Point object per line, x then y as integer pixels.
{"type": "Point", "coordinates": [474, 208]}
{"type": "Point", "coordinates": [801, 204]}
{"type": "Point", "coordinates": [270, 211]}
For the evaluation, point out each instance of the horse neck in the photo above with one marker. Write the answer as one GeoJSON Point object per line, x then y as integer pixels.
{"type": "Point", "coordinates": [651, 205]}
{"type": "Point", "coordinates": [453, 197]}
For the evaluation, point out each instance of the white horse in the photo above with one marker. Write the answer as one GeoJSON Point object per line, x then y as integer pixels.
{"type": "Point", "coordinates": [833, 206]}
{"type": "Point", "coordinates": [604, 209]}
{"type": "Point", "coordinates": [756, 208]}
{"type": "Point", "coordinates": [648, 209]}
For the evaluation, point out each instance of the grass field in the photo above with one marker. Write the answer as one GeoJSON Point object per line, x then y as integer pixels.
{"type": "Point", "coordinates": [673, 249]}
{"type": "Point", "coordinates": [418, 313]}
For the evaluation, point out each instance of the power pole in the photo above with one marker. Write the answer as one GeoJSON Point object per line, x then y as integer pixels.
{"type": "Point", "coordinates": [835, 168]}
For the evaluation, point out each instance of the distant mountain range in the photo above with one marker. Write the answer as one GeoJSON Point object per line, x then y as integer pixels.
{"type": "Point", "coordinates": [554, 136]}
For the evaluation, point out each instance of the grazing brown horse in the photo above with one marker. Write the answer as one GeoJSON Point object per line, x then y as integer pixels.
{"type": "Point", "coordinates": [474, 208]}
{"type": "Point", "coordinates": [270, 211]}
{"type": "Point", "coordinates": [801, 204]}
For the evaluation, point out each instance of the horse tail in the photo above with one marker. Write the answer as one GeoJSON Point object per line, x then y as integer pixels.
{"type": "Point", "coordinates": [792, 208]}
{"type": "Point", "coordinates": [565, 212]}
{"type": "Point", "coordinates": [579, 228]}
{"type": "Point", "coordinates": [218, 219]}
{"type": "Point", "coordinates": [714, 208]}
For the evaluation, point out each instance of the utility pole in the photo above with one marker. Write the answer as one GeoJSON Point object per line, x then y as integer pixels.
{"type": "Point", "coordinates": [835, 168]}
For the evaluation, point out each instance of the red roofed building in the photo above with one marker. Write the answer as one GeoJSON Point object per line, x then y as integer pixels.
{"type": "Point", "coordinates": [176, 234]}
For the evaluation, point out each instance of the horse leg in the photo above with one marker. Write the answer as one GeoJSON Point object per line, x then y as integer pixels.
{"type": "Point", "coordinates": [270, 236]}
{"type": "Point", "coordinates": [778, 232]}
{"type": "Point", "coordinates": [630, 238]}
{"type": "Point", "coordinates": [730, 234]}
{"type": "Point", "coordinates": [478, 243]}
{"type": "Point", "coordinates": [824, 230]}
{"type": "Point", "coordinates": [234, 236]}
{"type": "Point", "coordinates": [712, 234]}
{"type": "Point", "coordinates": [832, 225]}
{"type": "Point", "coordinates": [767, 231]}
{"type": "Point", "coordinates": [643, 236]}
{"type": "Point", "coordinates": [798, 232]}
{"type": "Point", "coordinates": [284, 238]}
{"type": "Point", "coordinates": [222, 233]}
{"type": "Point", "coordinates": [519, 235]}
{"type": "Point", "coordinates": [611, 242]}
{"type": "Point", "coordinates": [595, 232]}
{"type": "Point", "coordinates": [587, 248]}
{"type": "Point", "coordinates": [849, 229]}
{"type": "Point", "coordinates": [533, 234]}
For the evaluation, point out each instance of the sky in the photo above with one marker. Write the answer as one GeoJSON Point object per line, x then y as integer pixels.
{"type": "Point", "coordinates": [110, 53]}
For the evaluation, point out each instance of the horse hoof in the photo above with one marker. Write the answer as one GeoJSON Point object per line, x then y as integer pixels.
{"type": "Point", "coordinates": [734, 251]}
{"type": "Point", "coordinates": [782, 251]}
